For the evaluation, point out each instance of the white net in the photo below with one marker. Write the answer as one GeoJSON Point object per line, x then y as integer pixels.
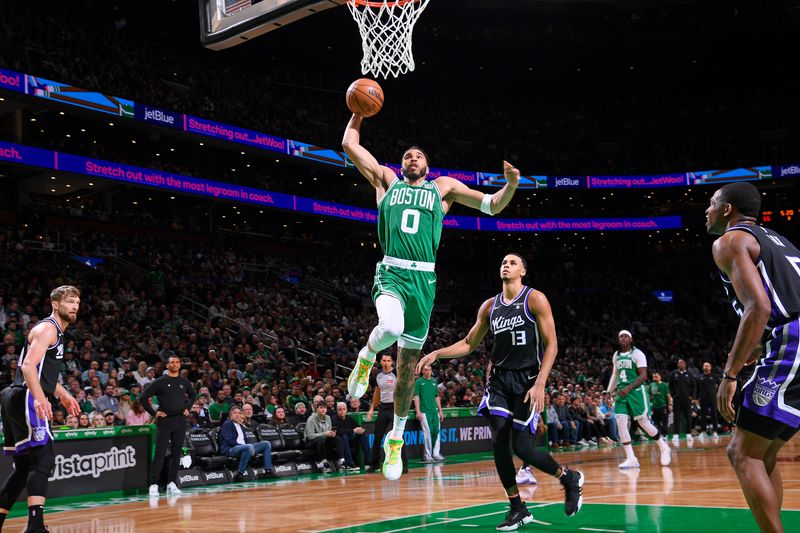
{"type": "Point", "coordinates": [386, 29]}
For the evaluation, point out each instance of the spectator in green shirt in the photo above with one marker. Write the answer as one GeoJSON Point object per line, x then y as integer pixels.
{"type": "Point", "coordinates": [295, 397]}
{"type": "Point", "coordinates": [429, 414]}
{"type": "Point", "coordinates": [216, 409]}
{"type": "Point", "coordinates": [661, 401]}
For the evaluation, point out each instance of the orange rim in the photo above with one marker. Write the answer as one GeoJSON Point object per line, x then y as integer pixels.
{"type": "Point", "coordinates": [362, 3]}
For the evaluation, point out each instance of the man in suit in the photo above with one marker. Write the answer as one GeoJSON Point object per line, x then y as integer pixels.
{"type": "Point", "coordinates": [232, 443]}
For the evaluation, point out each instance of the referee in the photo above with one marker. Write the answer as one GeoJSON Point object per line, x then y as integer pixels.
{"type": "Point", "coordinates": [383, 399]}
{"type": "Point", "coordinates": [175, 394]}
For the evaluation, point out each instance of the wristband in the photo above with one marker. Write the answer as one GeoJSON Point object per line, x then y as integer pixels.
{"type": "Point", "coordinates": [486, 204]}
{"type": "Point", "coordinates": [729, 378]}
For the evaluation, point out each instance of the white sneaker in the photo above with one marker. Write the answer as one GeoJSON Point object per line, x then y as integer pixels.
{"type": "Point", "coordinates": [525, 477]}
{"type": "Point", "coordinates": [629, 463]}
{"type": "Point", "coordinates": [173, 490]}
{"type": "Point", "coordinates": [438, 458]}
{"type": "Point", "coordinates": [358, 381]}
{"type": "Point", "coordinates": [666, 453]}
{"type": "Point", "coordinates": [427, 460]}
{"type": "Point", "coordinates": [393, 462]}
{"type": "Point", "coordinates": [675, 439]}
{"type": "Point", "coordinates": [715, 435]}
{"type": "Point", "coordinates": [153, 490]}
{"type": "Point", "coordinates": [689, 439]}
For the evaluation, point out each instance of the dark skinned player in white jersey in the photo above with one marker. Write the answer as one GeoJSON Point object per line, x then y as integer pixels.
{"type": "Point", "coordinates": [525, 348]}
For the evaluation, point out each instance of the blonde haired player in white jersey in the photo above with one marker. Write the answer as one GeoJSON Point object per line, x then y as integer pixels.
{"type": "Point", "coordinates": [410, 214]}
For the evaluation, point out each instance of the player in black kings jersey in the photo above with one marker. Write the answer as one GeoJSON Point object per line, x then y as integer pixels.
{"type": "Point", "coordinates": [26, 409]}
{"type": "Point", "coordinates": [525, 348]}
{"type": "Point", "coordinates": [760, 271]}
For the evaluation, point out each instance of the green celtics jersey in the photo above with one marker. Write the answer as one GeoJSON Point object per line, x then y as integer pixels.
{"type": "Point", "coordinates": [410, 221]}
{"type": "Point", "coordinates": [627, 366]}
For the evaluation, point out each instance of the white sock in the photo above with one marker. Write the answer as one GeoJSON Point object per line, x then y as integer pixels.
{"type": "Point", "coordinates": [629, 451]}
{"type": "Point", "coordinates": [398, 428]}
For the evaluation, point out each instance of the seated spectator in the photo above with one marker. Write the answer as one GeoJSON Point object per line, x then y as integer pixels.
{"type": "Point", "coordinates": [355, 405]}
{"type": "Point", "coordinates": [98, 420]}
{"type": "Point", "coordinates": [300, 414]}
{"type": "Point", "coordinates": [247, 417]}
{"type": "Point", "coordinates": [124, 403]}
{"type": "Point", "coordinates": [200, 417]}
{"type": "Point", "coordinates": [72, 421]}
{"type": "Point", "coordinates": [58, 418]}
{"type": "Point", "coordinates": [232, 443]}
{"type": "Point", "coordinates": [84, 422]}
{"type": "Point", "coordinates": [607, 410]}
{"type": "Point", "coordinates": [321, 437]}
{"type": "Point", "coordinates": [555, 429]}
{"type": "Point", "coordinates": [108, 402]}
{"type": "Point", "coordinates": [278, 417]}
{"type": "Point", "coordinates": [218, 408]}
{"type": "Point", "coordinates": [111, 419]}
{"type": "Point", "coordinates": [137, 416]}
{"type": "Point", "coordinates": [352, 435]}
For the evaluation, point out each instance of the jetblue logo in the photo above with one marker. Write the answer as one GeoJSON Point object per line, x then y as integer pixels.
{"type": "Point", "coordinates": [567, 182]}
{"type": "Point", "coordinates": [157, 115]}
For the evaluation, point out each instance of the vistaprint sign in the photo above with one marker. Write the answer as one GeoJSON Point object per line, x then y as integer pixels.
{"type": "Point", "coordinates": [79, 465]}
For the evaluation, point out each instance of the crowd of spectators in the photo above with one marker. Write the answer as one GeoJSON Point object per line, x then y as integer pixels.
{"type": "Point", "coordinates": [279, 348]}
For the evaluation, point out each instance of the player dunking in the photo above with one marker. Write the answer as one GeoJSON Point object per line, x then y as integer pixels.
{"type": "Point", "coordinates": [760, 271]}
{"type": "Point", "coordinates": [525, 347]}
{"type": "Point", "coordinates": [628, 377]}
{"type": "Point", "coordinates": [410, 213]}
{"type": "Point", "coordinates": [26, 409]}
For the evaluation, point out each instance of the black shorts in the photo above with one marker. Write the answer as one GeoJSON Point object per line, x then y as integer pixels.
{"type": "Point", "coordinates": [22, 429]}
{"type": "Point", "coordinates": [505, 395]}
{"type": "Point", "coordinates": [761, 425]}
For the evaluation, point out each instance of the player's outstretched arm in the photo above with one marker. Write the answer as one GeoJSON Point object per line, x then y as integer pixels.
{"type": "Point", "coordinates": [466, 345]}
{"type": "Point", "coordinates": [378, 175]}
{"type": "Point", "coordinates": [491, 204]}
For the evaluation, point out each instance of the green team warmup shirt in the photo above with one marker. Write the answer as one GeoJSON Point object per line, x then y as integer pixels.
{"type": "Point", "coordinates": [427, 391]}
{"type": "Point", "coordinates": [658, 394]}
{"type": "Point", "coordinates": [409, 230]}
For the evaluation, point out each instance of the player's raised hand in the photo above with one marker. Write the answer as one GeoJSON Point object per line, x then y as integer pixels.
{"type": "Point", "coordinates": [511, 174]}
{"type": "Point", "coordinates": [427, 360]}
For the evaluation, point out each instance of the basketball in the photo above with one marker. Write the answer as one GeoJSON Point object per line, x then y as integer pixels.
{"type": "Point", "coordinates": [364, 97]}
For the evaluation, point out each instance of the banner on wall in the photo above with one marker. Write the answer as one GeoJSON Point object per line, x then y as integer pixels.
{"type": "Point", "coordinates": [147, 177]}
{"type": "Point", "coordinates": [91, 465]}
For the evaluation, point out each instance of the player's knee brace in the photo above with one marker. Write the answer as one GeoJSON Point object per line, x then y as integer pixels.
{"type": "Point", "coordinates": [624, 430]}
{"type": "Point", "coordinates": [648, 426]}
{"type": "Point", "coordinates": [390, 323]}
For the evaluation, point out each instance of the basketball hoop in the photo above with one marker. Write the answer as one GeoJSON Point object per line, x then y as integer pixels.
{"type": "Point", "coordinates": [386, 29]}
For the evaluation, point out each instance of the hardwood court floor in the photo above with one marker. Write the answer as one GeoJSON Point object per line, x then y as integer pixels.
{"type": "Point", "coordinates": [697, 493]}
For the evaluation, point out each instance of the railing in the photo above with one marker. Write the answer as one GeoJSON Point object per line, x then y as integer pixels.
{"type": "Point", "coordinates": [133, 269]}
{"type": "Point", "coordinates": [347, 370]}
{"type": "Point", "coordinates": [45, 246]}
{"type": "Point", "coordinates": [320, 287]}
